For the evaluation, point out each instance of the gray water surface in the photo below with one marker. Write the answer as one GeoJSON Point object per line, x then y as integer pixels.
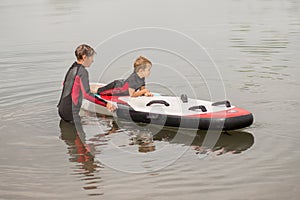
{"type": "Point", "coordinates": [255, 46]}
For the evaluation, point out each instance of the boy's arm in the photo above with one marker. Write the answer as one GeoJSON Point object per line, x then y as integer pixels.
{"type": "Point", "coordinates": [142, 91]}
{"type": "Point", "coordinates": [134, 93]}
{"type": "Point", "coordinates": [85, 88]}
{"type": "Point", "coordinates": [86, 92]}
{"type": "Point", "coordinates": [142, 87]}
{"type": "Point", "coordinates": [148, 93]}
{"type": "Point", "coordinates": [94, 88]}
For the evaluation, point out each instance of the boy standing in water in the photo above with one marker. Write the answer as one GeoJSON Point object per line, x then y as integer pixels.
{"type": "Point", "coordinates": [76, 86]}
{"type": "Point", "coordinates": [134, 85]}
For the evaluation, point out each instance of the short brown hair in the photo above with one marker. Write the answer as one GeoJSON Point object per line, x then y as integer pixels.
{"type": "Point", "coordinates": [84, 50]}
{"type": "Point", "coordinates": [141, 63]}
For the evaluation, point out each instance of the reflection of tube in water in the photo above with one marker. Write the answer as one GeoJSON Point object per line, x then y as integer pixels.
{"type": "Point", "coordinates": [234, 141]}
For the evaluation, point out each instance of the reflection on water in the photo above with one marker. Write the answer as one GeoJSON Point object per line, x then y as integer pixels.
{"type": "Point", "coordinates": [146, 137]}
{"type": "Point", "coordinates": [229, 142]}
{"type": "Point", "coordinates": [82, 153]}
{"type": "Point", "coordinates": [101, 142]}
{"type": "Point", "coordinates": [140, 148]}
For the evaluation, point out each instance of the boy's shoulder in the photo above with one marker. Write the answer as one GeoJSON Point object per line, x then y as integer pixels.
{"type": "Point", "coordinates": [81, 69]}
{"type": "Point", "coordinates": [135, 81]}
{"type": "Point", "coordinates": [134, 77]}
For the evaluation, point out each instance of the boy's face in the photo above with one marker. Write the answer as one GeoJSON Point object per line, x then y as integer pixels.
{"type": "Point", "coordinates": [147, 71]}
{"type": "Point", "coordinates": [87, 61]}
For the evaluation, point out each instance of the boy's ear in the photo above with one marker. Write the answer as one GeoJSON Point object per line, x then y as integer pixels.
{"type": "Point", "coordinates": [83, 57]}
{"type": "Point", "coordinates": [140, 70]}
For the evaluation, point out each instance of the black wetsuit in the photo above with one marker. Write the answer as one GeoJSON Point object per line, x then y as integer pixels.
{"type": "Point", "coordinates": [76, 86]}
{"type": "Point", "coordinates": [120, 87]}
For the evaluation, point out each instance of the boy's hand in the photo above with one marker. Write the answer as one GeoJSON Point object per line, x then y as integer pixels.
{"type": "Point", "coordinates": [148, 94]}
{"type": "Point", "coordinates": [111, 107]}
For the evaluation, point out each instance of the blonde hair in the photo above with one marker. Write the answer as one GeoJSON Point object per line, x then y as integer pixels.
{"type": "Point", "coordinates": [84, 50]}
{"type": "Point", "coordinates": [141, 63]}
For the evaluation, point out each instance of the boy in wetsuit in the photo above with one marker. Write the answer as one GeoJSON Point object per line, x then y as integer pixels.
{"type": "Point", "coordinates": [76, 86]}
{"type": "Point", "coordinates": [134, 85]}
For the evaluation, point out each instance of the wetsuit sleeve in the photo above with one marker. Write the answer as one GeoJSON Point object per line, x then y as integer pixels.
{"type": "Point", "coordinates": [86, 92]}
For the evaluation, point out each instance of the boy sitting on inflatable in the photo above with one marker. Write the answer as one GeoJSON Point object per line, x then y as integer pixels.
{"type": "Point", "coordinates": [134, 85]}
